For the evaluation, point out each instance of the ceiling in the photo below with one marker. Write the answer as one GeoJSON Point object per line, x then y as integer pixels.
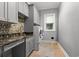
{"type": "Point", "coordinates": [46, 5]}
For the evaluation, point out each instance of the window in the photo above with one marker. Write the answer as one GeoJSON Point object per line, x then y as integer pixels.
{"type": "Point", "coordinates": [49, 26]}
{"type": "Point", "coordinates": [49, 22]}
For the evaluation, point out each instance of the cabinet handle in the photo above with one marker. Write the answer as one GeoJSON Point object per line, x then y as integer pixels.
{"type": "Point", "coordinates": [4, 9]}
{"type": "Point", "coordinates": [7, 11]}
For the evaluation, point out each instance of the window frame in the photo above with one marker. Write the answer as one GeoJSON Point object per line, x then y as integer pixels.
{"type": "Point", "coordinates": [45, 23]}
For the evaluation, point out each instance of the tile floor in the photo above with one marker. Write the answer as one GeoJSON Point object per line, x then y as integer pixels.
{"type": "Point", "coordinates": [48, 49]}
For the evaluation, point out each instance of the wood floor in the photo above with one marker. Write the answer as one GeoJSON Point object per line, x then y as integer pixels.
{"type": "Point", "coordinates": [48, 49]}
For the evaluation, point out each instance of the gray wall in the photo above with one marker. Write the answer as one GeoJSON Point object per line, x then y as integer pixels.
{"type": "Point", "coordinates": [69, 27]}
{"type": "Point", "coordinates": [48, 34]}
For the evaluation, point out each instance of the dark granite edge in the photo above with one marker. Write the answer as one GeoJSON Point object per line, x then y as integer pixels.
{"type": "Point", "coordinates": [15, 40]}
{"type": "Point", "coordinates": [27, 33]}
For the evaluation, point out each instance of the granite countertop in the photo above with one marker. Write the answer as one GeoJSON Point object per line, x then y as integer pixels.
{"type": "Point", "coordinates": [8, 41]}
{"type": "Point", "coordinates": [14, 39]}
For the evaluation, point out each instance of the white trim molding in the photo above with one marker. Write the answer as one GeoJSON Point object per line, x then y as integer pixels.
{"type": "Point", "coordinates": [65, 53]}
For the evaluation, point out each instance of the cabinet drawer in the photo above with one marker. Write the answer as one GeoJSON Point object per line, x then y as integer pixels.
{"type": "Point", "coordinates": [11, 45]}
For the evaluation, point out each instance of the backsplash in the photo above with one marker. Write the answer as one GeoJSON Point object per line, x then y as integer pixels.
{"type": "Point", "coordinates": [16, 28]}
{"type": "Point", "coordinates": [11, 28]}
{"type": "Point", "coordinates": [4, 28]}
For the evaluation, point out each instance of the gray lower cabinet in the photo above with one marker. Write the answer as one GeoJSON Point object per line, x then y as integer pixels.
{"type": "Point", "coordinates": [14, 49]}
{"type": "Point", "coordinates": [32, 44]}
{"type": "Point", "coordinates": [8, 53]}
{"type": "Point", "coordinates": [29, 46]}
{"type": "Point", "coordinates": [19, 51]}
{"type": "Point", "coordinates": [0, 51]}
{"type": "Point", "coordinates": [12, 45]}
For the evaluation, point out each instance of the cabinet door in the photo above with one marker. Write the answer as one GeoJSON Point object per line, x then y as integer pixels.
{"type": "Point", "coordinates": [2, 11]}
{"type": "Point", "coordinates": [0, 51]}
{"type": "Point", "coordinates": [26, 10]}
{"type": "Point", "coordinates": [21, 7]}
{"type": "Point", "coordinates": [31, 48]}
{"type": "Point", "coordinates": [27, 47]}
{"type": "Point", "coordinates": [32, 43]}
{"type": "Point", "coordinates": [36, 16]}
{"type": "Point", "coordinates": [36, 38]}
{"type": "Point", "coordinates": [12, 12]}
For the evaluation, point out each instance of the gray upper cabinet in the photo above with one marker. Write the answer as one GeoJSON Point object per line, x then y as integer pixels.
{"type": "Point", "coordinates": [2, 11]}
{"type": "Point", "coordinates": [33, 18]}
{"type": "Point", "coordinates": [23, 8]}
{"type": "Point", "coordinates": [36, 15]}
{"type": "Point", "coordinates": [26, 11]}
{"type": "Point", "coordinates": [28, 25]}
{"type": "Point", "coordinates": [12, 12]}
{"type": "Point", "coordinates": [9, 11]}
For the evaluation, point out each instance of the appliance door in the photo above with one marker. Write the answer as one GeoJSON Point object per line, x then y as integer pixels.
{"type": "Point", "coordinates": [36, 37]}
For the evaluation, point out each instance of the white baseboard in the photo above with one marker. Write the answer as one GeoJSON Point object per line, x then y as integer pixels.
{"type": "Point", "coordinates": [65, 53]}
